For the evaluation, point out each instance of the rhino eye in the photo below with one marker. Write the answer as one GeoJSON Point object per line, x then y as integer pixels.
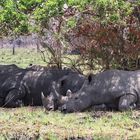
{"type": "Point", "coordinates": [76, 98]}
{"type": "Point", "coordinates": [55, 100]}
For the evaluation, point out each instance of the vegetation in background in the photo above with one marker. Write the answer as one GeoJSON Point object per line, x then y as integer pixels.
{"type": "Point", "coordinates": [25, 56]}
{"type": "Point", "coordinates": [107, 35]}
{"type": "Point", "coordinates": [106, 32]}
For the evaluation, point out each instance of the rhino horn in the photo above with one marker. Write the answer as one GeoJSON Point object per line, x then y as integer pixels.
{"type": "Point", "coordinates": [42, 95]}
{"type": "Point", "coordinates": [69, 93]}
{"type": "Point", "coordinates": [44, 100]}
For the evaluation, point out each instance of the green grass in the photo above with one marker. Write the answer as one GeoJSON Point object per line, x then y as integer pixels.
{"type": "Point", "coordinates": [35, 123]}
{"type": "Point", "coordinates": [22, 57]}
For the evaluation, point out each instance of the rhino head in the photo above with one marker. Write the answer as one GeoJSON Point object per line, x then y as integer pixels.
{"type": "Point", "coordinates": [80, 100]}
{"type": "Point", "coordinates": [58, 101]}
{"type": "Point", "coordinates": [54, 99]}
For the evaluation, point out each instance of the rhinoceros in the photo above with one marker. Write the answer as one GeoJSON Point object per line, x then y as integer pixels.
{"type": "Point", "coordinates": [64, 86]}
{"type": "Point", "coordinates": [10, 91]}
{"type": "Point", "coordinates": [35, 82]}
{"type": "Point", "coordinates": [24, 86]}
{"type": "Point", "coordinates": [115, 88]}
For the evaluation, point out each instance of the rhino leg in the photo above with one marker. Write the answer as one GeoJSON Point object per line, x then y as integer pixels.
{"type": "Point", "coordinates": [14, 98]}
{"type": "Point", "coordinates": [127, 102]}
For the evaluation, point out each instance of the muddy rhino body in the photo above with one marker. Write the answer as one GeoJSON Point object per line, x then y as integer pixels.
{"type": "Point", "coordinates": [114, 88]}
{"type": "Point", "coordinates": [69, 83]}
{"type": "Point", "coordinates": [36, 82]}
{"type": "Point", "coordinates": [10, 91]}
{"type": "Point", "coordinates": [24, 86]}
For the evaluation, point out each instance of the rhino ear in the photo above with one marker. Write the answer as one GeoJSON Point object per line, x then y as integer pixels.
{"type": "Point", "coordinates": [69, 93]}
{"type": "Point", "coordinates": [89, 78]}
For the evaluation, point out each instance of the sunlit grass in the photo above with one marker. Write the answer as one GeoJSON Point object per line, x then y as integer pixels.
{"type": "Point", "coordinates": [22, 57]}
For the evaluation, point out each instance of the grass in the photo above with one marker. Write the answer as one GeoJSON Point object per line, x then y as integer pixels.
{"type": "Point", "coordinates": [36, 124]}
{"type": "Point", "coordinates": [22, 57]}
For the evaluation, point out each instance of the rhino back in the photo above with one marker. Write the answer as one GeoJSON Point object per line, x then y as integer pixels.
{"type": "Point", "coordinates": [72, 82]}
{"type": "Point", "coordinates": [10, 77]}
{"type": "Point", "coordinates": [32, 86]}
{"type": "Point", "coordinates": [115, 83]}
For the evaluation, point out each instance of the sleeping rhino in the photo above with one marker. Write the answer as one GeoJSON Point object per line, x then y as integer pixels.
{"type": "Point", "coordinates": [10, 91]}
{"type": "Point", "coordinates": [117, 89]}
{"type": "Point", "coordinates": [66, 85]}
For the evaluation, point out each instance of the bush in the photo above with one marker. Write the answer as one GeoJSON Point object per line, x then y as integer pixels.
{"type": "Point", "coordinates": [108, 43]}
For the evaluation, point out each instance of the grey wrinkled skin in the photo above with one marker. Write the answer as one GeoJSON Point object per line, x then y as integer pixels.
{"type": "Point", "coordinates": [67, 84]}
{"type": "Point", "coordinates": [117, 88]}
{"type": "Point", "coordinates": [10, 91]}
{"type": "Point", "coordinates": [20, 87]}
{"type": "Point", "coordinates": [36, 82]}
